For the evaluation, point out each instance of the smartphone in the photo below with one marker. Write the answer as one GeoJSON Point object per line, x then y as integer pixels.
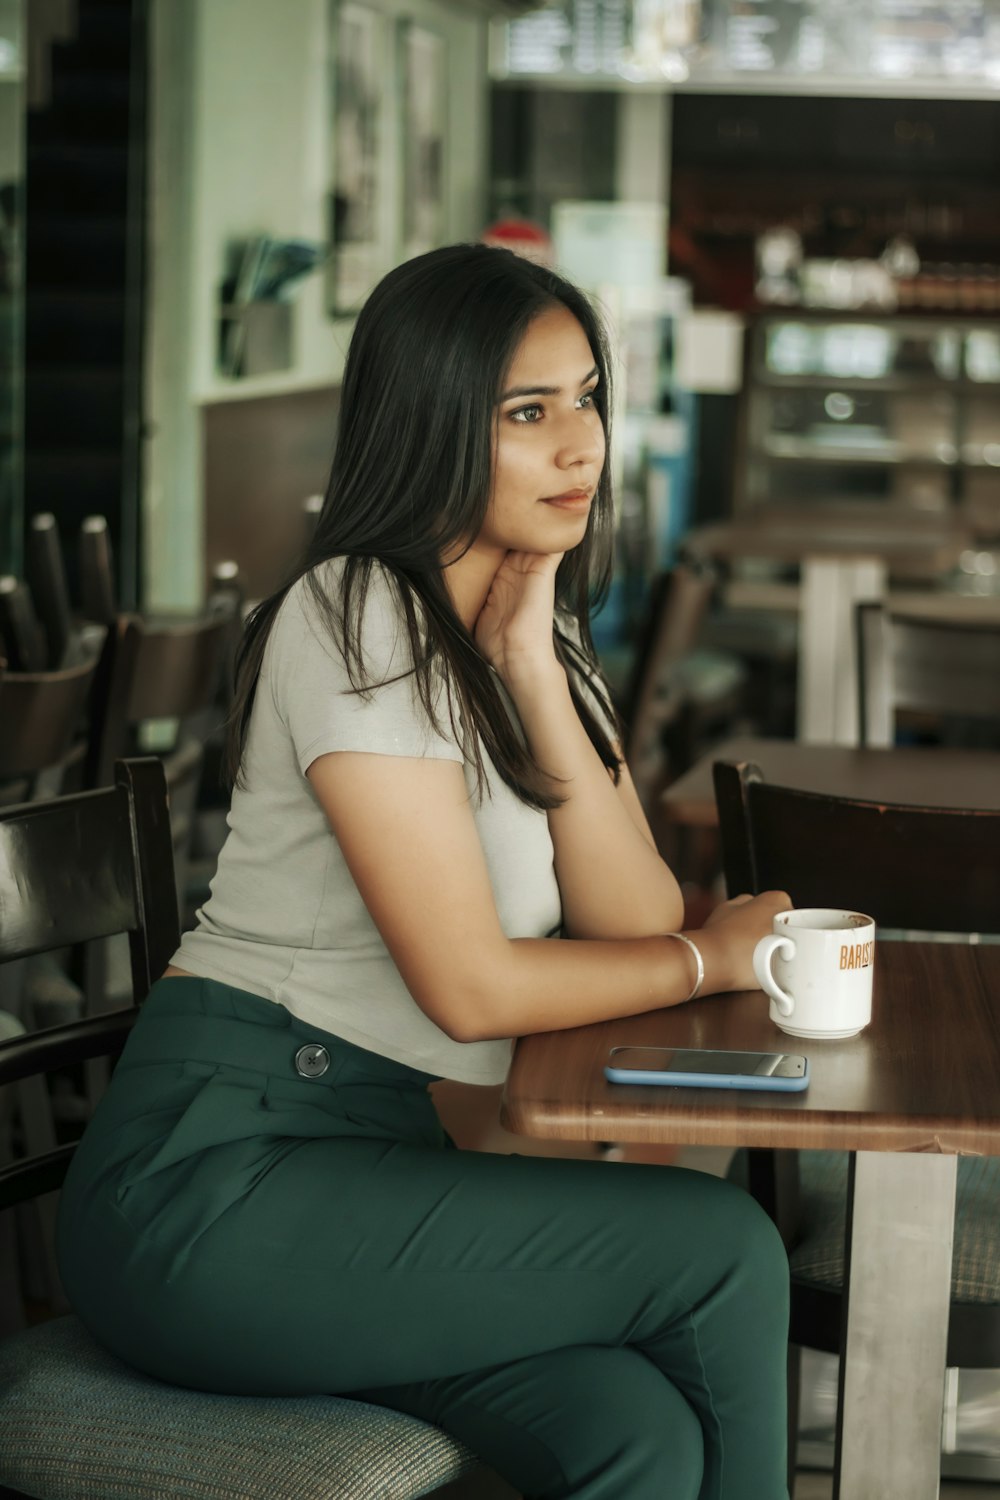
{"type": "Point", "coordinates": [694, 1068]}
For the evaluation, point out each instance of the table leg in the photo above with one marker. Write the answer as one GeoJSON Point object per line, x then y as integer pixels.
{"type": "Point", "coordinates": [892, 1370]}
{"type": "Point", "coordinates": [828, 681]}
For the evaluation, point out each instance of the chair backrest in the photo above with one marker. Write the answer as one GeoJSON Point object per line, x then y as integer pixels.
{"type": "Point", "coordinates": [74, 869]}
{"type": "Point", "coordinates": [678, 601]}
{"type": "Point", "coordinates": [311, 507]}
{"type": "Point", "coordinates": [225, 582]}
{"type": "Point", "coordinates": [107, 734]}
{"type": "Point", "coordinates": [923, 868]}
{"type": "Point", "coordinates": [925, 666]}
{"type": "Point", "coordinates": [98, 594]}
{"type": "Point", "coordinates": [227, 596]}
{"type": "Point", "coordinates": [40, 718]}
{"type": "Point", "coordinates": [178, 666]}
{"type": "Point", "coordinates": [47, 581]}
{"type": "Point", "coordinates": [22, 641]}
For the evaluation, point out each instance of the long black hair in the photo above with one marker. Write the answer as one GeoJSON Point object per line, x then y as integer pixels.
{"type": "Point", "coordinates": [411, 481]}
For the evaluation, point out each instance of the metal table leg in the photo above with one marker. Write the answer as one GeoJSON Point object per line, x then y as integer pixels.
{"type": "Point", "coordinates": [892, 1371]}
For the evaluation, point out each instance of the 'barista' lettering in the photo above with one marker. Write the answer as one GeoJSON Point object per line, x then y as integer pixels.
{"type": "Point", "coordinates": [857, 955]}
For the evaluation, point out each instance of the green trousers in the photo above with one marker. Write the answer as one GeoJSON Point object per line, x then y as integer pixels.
{"type": "Point", "coordinates": [258, 1207]}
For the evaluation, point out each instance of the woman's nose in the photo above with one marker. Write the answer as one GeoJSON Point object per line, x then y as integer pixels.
{"type": "Point", "coordinates": [583, 442]}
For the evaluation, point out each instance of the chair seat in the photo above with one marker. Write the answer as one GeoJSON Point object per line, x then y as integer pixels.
{"type": "Point", "coordinates": [817, 1257]}
{"type": "Point", "coordinates": [77, 1424]}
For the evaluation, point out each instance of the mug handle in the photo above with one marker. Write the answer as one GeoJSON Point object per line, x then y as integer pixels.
{"type": "Point", "coordinates": [774, 942]}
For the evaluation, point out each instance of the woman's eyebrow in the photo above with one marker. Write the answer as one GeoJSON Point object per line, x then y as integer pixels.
{"type": "Point", "coordinates": [543, 390]}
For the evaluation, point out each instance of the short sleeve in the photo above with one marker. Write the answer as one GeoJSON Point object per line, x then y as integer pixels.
{"type": "Point", "coordinates": [305, 672]}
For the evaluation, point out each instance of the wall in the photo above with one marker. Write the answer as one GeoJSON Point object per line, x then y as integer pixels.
{"type": "Point", "coordinates": [241, 145]}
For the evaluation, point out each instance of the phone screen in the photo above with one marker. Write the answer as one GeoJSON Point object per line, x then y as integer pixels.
{"type": "Point", "coordinates": [695, 1060]}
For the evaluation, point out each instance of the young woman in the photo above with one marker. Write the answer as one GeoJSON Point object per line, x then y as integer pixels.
{"type": "Point", "coordinates": [434, 847]}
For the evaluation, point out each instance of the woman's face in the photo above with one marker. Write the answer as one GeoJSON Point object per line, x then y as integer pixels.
{"type": "Point", "coordinates": [549, 443]}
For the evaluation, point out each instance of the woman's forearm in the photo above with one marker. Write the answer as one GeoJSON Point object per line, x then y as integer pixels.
{"type": "Point", "coordinates": [545, 984]}
{"type": "Point", "coordinates": [612, 881]}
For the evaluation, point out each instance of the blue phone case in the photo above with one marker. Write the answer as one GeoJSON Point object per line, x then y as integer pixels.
{"type": "Point", "coordinates": [709, 1080]}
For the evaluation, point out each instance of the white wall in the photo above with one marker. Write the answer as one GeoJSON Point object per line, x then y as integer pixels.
{"type": "Point", "coordinates": [241, 144]}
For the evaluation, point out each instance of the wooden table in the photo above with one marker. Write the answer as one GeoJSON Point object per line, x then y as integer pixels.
{"type": "Point", "coordinates": [928, 777]}
{"type": "Point", "coordinates": [845, 553]}
{"type": "Point", "coordinates": [917, 1087]}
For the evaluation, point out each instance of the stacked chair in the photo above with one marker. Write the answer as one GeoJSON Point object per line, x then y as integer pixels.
{"type": "Point", "coordinates": [156, 682]}
{"type": "Point", "coordinates": [79, 691]}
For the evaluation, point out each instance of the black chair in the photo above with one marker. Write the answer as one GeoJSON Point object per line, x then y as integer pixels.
{"type": "Point", "coordinates": [160, 690]}
{"type": "Point", "coordinates": [676, 693]}
{"type": "Point", "coordinates": [47, 582]}
{"type": "Point", "coordinates": [311, 507]}
{"type": "Point", "coordinates": [40, 725]}
{"type": "Point", "coordinates": [924, 667]}
{"type": "Point", "coordinates": [98, 594]}
{"type": "Point", "coordinates": [654, 700]}
{"type": "Point", "coordinates": [678, 700]}
{"type": "Point", "coordinates": [40, 747]}
{"type": "Point", "coordinates": [177, 669]}
{"type": "Point", "coordinates": [227, 596]}
{"type": "Point", "coordinates": [22, 640]}
{"type": "Point", "coordinates": [914, 869]}
{"type": "Point", "coordinates": [75, 1421]}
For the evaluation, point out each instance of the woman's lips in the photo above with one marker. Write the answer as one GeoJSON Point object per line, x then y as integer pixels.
{"type": "Point", "coordinates": [571, 500]}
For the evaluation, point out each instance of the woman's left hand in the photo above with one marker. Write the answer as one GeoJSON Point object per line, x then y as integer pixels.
{"type": "Point", "coordinates": [514, 628]}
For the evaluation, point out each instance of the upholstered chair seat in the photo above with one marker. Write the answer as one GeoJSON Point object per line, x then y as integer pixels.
{"type": "Point", "coordinates": [77, 1424]}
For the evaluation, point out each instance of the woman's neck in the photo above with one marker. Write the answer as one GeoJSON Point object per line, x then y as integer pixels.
{"type": "Point", "coordinates": [468, 581]}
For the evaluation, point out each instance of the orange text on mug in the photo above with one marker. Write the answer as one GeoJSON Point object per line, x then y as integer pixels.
{"type": "Point", "coordinates": [857, 955]}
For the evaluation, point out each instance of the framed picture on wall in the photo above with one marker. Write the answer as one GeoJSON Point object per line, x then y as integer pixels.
{"type": "Point", "coordinates": [423, 69]}
{"type": "Point", "coordinates": [361, 231]}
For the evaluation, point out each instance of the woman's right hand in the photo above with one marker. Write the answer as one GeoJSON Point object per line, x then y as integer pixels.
{"type": "Point", "coordinates": [730, 935]}
{"type": "Point", "coordinates": [514, 628]}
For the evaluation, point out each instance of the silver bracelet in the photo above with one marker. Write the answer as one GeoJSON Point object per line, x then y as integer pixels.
{"type": "Point", "coordinates": [700, 978]}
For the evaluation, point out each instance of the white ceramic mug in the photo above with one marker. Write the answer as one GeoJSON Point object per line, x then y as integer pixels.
{"type": "Point", "coordinates": [817, 968]}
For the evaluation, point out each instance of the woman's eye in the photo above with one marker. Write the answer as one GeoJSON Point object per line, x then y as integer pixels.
{"type": "Point", "coordinates": [526, 414]}
{"type": "Point", "coordinates": [587, 399]}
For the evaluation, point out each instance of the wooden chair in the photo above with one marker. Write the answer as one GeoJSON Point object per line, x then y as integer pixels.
{"type": "Point", "coordinates": [40, 718]}
{"type": "Point", "coordinates": [664, 702]}
{"type": "Point", "coordinates": [108, 719]}
{"type": "Point", "coordinates": [227, 596]}
{"type": "Point", "coordinates": [913, 869]}
{"type": "Point", "coordinates": [177, 669]}
{"type": "Point", "coordinates": [678, 600]}
{"type": "Point", "coordinates": [160, 669]}
{"type": "Point", "coordinates": [40, 721]}
{"type": "Point", "coordinates": [311, 507]}
{"type": "Point", "coordinates": [22, 641]}
{"type": "Point", "coordinates": [923, 667]}
{"type": "Point", "coordinates": [47, 582]}
{"type": "Point", "coordinates": [678, 699]}
{"type": "Point", "coordinates": [98, 594]}
{"type": "Point", "coordinates": [73, 1419]}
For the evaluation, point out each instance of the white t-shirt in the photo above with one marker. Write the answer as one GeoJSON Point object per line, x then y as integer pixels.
{"type": "Point", "coordinates": [285, 920]}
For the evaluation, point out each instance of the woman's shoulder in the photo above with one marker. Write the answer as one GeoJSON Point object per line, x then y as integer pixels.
{"type": "Point", "coordinates": [348, 610]}
{"type": "Point", "coordinates": [339, 582]}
